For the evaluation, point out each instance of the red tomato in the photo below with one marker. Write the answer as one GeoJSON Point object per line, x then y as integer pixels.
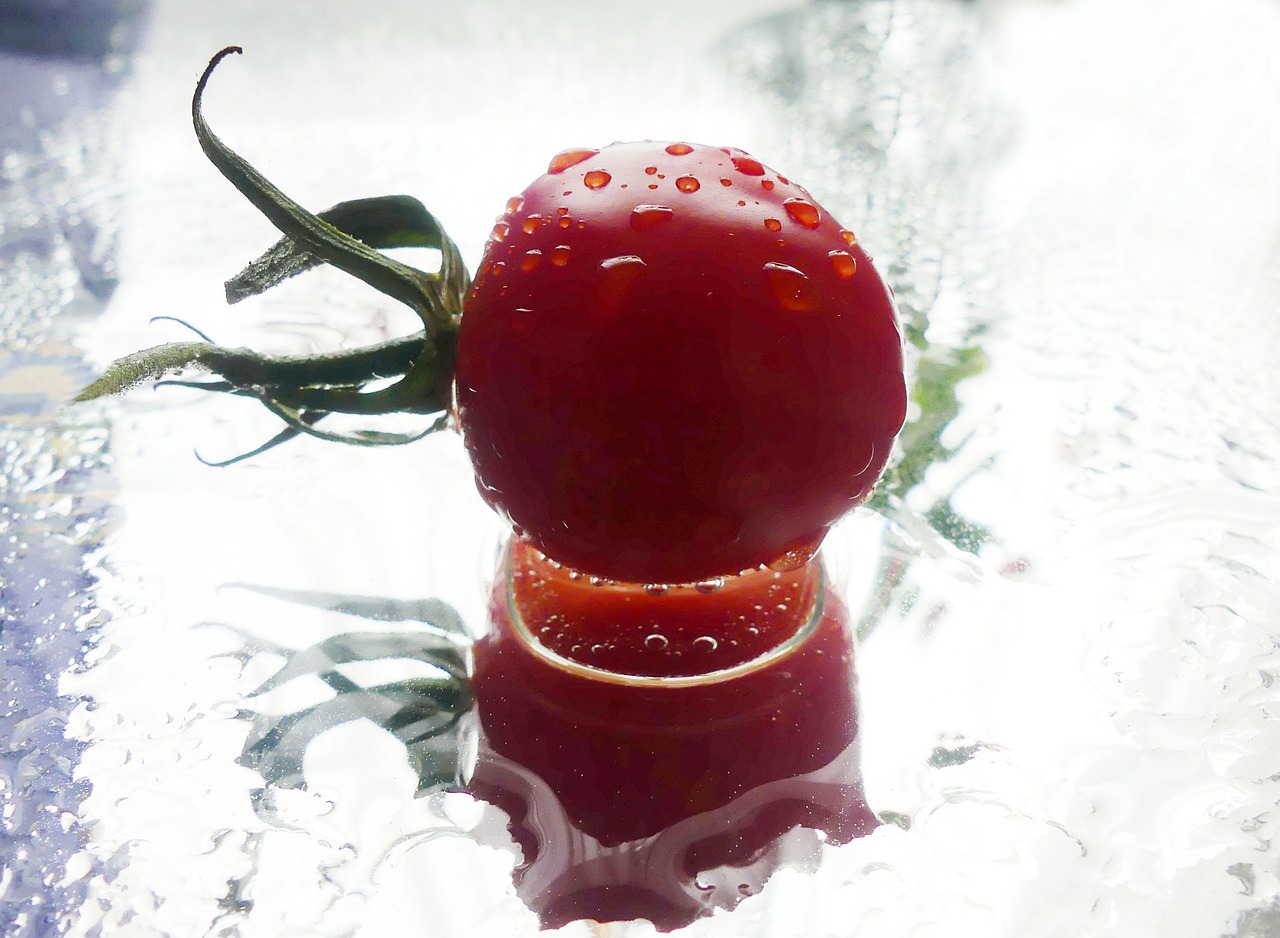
{"type": "Point", "coordinates": [674, 364]}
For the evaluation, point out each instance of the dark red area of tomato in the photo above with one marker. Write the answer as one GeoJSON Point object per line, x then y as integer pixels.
{"type": "Point", "coordinates": [663, 376]}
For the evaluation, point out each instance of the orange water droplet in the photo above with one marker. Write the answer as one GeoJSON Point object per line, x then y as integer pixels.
{"type": "Point", "coordinates": [596, 179]}
{"type": "Point", "coordinates": [496, 269]}
{"type": "Point", "coordinates": [530, 224]}
{"type": "Point", "coordinates": [565, 221]}
{"type": "Point", "coordinates": [784, 180]}
{"type": "Point", "coordinates": [653, 185]}
{"type": "Point", "coordinates": [795, 558]}
{"type": "Point", "coordinates": [773, 224]}
{"type": "Point", "coordinates": [688, 184]}
{"type": "Point", "coordinates": [725, 181]}
{"type": "Point", "coordinates": [678, 149]}
{"type": "Point", "coordinates": [849, 236]}
{"type": "Point", "coordinates": [619, 275]}
{"type": "Point", "coordinates": [650, 170]}
{"type": "Point", "coordinates": [560, 255]}
{"type": "Point", "coordinates": [514, 204]}
{"type": "Point", "coordinates": [531, 260]}
{"type": "Point", "coordinates": [844, 264]}
{"type": "Point", "coordinates": [566, 158]}
{"type": "Point", "coordinates": [742, 202]}
{"type": "Point", "coordinates": [562, 210]}
{"type": "Point", "coordinates": [767, 184]}
{"type": "Point", "coordinates": [581, 225]}
{"type": "Point", "coordinates": [645, 217]}
{"type": "Point", "coordinates": [747, 165]}
{"type": "Point", "coordinates": [790, 288]}
{"type": "Point", "coordinates": [499, 231]}
{"type": "Point", "coordinates": [803, 212]}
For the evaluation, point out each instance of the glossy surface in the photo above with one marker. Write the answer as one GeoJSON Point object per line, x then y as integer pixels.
{"type": "Point", "coordinates": [661, 380]}
{"type": "Point", "coordinates": [654, 796]}
{"type": "Point", "coordinates": [1066, 611]}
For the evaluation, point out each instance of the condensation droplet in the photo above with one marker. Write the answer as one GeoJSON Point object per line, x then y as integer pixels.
{"type": "Point", "coordinates": [678, 149]}
{"type": "Point", "coordinates": [496, 269]}
{"type": "Point", "coordinates": [530, 224]}
{"type": "Point", "coordinates": [726, 181]}
{"type": "Point", "coordinates": [705, 643]}
{"type": "Point", "coordinates": [709, 586]}
{"type": "Point", "coordinates": [747, 165]}
{"type": "Point", "coordinates": [650, 170]}
{"type": "Point", "coordinates": [560, 255]}
{"type": "Point", "coordinates": [773, 224]}
{"type": "Point", "coordinates": [597, 581]}
{"type": "Point", "coordinates": [767, 184]}
{"type": "Point", "coordinates": [688, 184]}
{"type": "Point", "coordinates": [562, 210]}
{"type": "Point", "coordinates": [596, 179]}
{"type": "Point", "coordinates": [514, 204]}
{"type": "Point", "coordinates": [849, 236]}
{"type": "Point", "coordinates": [565, 221]}
{"type": "Point", "coordinates": [646, 217]}
{"type": "Point", "coordinates": [803, 212]}
{"type": "Point", "coordinates": [530, 260]}
{"type": "Point", "coordinates": [655, 642]}
{"type": "Point", "coordinates": [566, 158]}
{"type": "Point", "coordinates": [795, 558]}
{"type": "Point", "coordinates": [499, 231]}
{"type": "Point", "coordinates": [844, 264]}
{"type": "Point", "coordinates": [619, 275]}
{"type": "Point", "coordinates": [656, 589]}
{"type": "Point", "coordinates": [790, 288]}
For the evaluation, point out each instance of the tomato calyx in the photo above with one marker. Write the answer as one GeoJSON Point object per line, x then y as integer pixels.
{"type": "Point", "coordinates": [303, 390]}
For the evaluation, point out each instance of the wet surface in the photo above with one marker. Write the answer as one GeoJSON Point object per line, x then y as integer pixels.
{"type": "Point", "coordinates": [231, 697]}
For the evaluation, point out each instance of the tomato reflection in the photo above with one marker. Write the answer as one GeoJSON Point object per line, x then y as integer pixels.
{"type": "Point", "coordinates": [676, 780]}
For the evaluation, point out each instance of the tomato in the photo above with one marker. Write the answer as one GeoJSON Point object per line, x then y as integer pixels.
{"type": "Point", "coordinates": [674, 364]}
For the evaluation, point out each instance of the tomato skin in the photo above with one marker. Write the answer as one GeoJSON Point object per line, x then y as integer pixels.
{"type": "Point", "coordinates": [675, 365]}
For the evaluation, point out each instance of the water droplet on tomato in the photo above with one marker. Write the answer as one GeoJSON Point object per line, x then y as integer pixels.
{"type": "Point", "coordinates": [560, 255]}
{"type": "Point", "coordinates": [688, 184]}
{"type": "Point", "coordinates": [530, 260]}
{"type": "Point", "coordinates": [790, 288]}
{"type": "Point", "coordinates": [767, 184]}
{"type": "Point", "coordinates": [596, 179]}
{"type": "Point", "coordinates": [514, 204]}
{"type": "Point", "coordinates": [562, 210]}
{"type": "Point", "coordinates": [709, 586]}
{"type": "Point", "coordinates": [705, 643]}
{"type": "Point", "coordinates": [678, 149]}
{"type": "Point", "coordinates": [792, 560]}
{"type": "Point", "coordinates": [646, 217]}
{"type": "Point", "coordinates": [618, 276]}
{"type": "Point", "coordinates": [566, 158]}
{"type": "Point", "coordinates": [530, 224]}
{"type": "Point", "coordinates": [784, 180]}
{"type": "Point", "coordinates": [849, 236]}
{"type": "Point", "coordinates": [773, 224]}
{"type": "Point", "coordinates": [499, 231]}
{"type": "Point", "coordinates": [726, 181]}
{"type": "Point", "coordinates": [742, 202]}
{"type": "Point", "coordinates": [496, 268]}
{"type": "Point", "coordinates": [656, 589]}
{"type": "Point", "coordinates": [747, 165]}
{"type": "Point", "coordinates": [597, 581]}
{"type": "Point", "coordinates": [653, 185]}
{"type": "Point", "coordinates": [803, 212]}
{"type": "Point", "coordinates": [650, 170]}
{"type": "Point", "coordinates": [655, 642]}
{"type": "Point", "coordinates": [844, 264]}
{"type": "Point", "coordinates": [565, 221]}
